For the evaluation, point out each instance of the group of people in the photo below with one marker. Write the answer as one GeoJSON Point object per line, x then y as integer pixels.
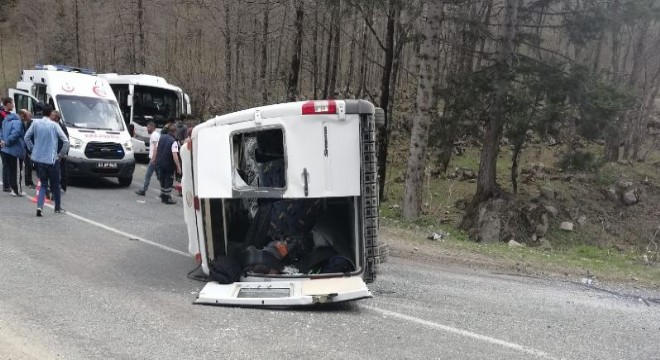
{"type": "Point", "coordinates": [40, 144]}
{"type": "Point", "coordinates": [164, 157]}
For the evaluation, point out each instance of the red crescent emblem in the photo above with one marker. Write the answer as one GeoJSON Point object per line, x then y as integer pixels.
{"type": "Point", "coordinates": [99, 91]}
{"type": "Point", "coordinates": [67, 87]}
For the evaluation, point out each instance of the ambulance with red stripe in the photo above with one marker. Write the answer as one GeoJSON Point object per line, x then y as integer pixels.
{"type": "Point", "coordinates": [100, 145]}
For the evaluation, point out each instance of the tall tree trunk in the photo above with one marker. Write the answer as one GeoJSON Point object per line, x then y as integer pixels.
{"type": "Point", "coordinates": [351, 61]}
{"type": "Point", "coordinates": [384, 131]}
{"type": "Point", "coordinates": [613, 138]}
{"type": "Point", "coordinates": [328, 55]}
{"type": "Point", "coordinates": [487, 186]}
{"type": "Point", "coordinates": [143, 55]}
{"type": "Point", "coordinates": [632, 117]}
{"type": "Point", "coordinates": [332, 85]}
{"type": "Point", "coordinates": [264, 54]}
{"type": "Point", "coordinates": [315, 54]}
{"type": "Point", "coordinates": [77, 15]}
{"type": "Point", "coordinates": [482, 43]}
{"type": "Point", "coordinates": [228, 59]}
{"type": "Point", "coordinates": [292, 91]}
{"type": "Point", "coordinates": [363, 63]}
{"type": "Point", "coordinates": [599, 47]}
{"type": "Point", "coordinates": [426, 109]}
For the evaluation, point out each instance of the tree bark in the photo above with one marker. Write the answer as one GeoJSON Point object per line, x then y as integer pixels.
{"type": "Point", "coordinates": [315, 54]}
{"type": "Point", "coordinates": [228, 59]}
{"type": "Point", "coordinates": [426, 108]}
{"type": "Point", "coordinates": [328, 53]}
{"type": "Point", "coordinates": [613, 138]}
{"type": "Point", "coordinates": [143, 56]}
{"type": "Point", "coordinates": [487, 186]}
{"type": "Point", "coordinates": [264, 54]}
{"type": "Point", "coordinates": [332, 85]}
{"type": "Point", "coordinates": [77, 14]}
{"type": "Point", "coordinates": [384, 131]}
{"type": "Point", "coordinates": [292, 91]}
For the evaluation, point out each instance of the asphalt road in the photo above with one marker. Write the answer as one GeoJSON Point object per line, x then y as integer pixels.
{"type": "Point", "coordinates": [80, 286]}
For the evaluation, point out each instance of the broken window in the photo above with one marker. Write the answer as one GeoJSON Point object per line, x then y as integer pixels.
{"type": "Point", "coordinates": [259, 160]}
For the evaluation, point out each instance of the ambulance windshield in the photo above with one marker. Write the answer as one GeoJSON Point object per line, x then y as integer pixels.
{"type": "Point", "coordinates": [90, 113]}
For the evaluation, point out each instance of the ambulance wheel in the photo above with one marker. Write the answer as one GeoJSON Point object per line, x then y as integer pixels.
{"type": "Point", "coordinates": [125, 181]}
{"type": "Point", "coordinates": [370, 198]}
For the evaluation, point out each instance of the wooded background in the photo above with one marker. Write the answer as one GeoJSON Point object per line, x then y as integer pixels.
{"type": "Point", "coordinates": [442, 70]}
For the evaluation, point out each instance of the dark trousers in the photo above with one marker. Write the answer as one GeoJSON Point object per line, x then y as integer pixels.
{"type": "Point", "coordinates": [5, 172]}
{"type": "Point", "coordinates": [29, 167]}
{"type": "Point", "coordinates": [166, 181]}
{"type": "Point", "coordinates": [49, 175]}
{"type": "Point", "coordinates": [63, 173]}
{"type": "Point", "coordinates": [10, 162]}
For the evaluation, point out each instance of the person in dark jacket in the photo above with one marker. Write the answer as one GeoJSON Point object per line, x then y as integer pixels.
{"type": "Point", "coordinates": [55, 116]}
{"type": "Point", "coordinates": [167, 162]}
{"type": "Point", "coordinates": [5, 171]}
{"type": "Point", "coordinates": [13, 146]}
{"type": "Point", "coordinates": [26, 117]}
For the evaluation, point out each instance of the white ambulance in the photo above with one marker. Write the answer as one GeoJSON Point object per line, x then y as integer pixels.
{"type": "Point", "coordinates": [283, 199]}
{"type": "Point", "coordinates": [143, 98]}
{"type": "Point", "coordinates": [100, 145]}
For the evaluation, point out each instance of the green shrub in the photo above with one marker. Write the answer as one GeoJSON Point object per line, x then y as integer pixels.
{"type": "Point", "coordinates": [580, 161]}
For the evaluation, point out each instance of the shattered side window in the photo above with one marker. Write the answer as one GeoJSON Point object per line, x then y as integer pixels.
{"type": "Point", "coordinates": [259, 160]}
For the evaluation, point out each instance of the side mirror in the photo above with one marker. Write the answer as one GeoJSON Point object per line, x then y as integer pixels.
{"type": "Point", "coordinates": [188, 109]}
{"type": "Point", "coordinates": [131, 130]}
{"type": "Point", "coordinates": [379, 117]}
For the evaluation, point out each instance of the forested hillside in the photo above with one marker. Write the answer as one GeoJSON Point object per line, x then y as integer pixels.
{"type": "Point", "coordinates": [492, 84]}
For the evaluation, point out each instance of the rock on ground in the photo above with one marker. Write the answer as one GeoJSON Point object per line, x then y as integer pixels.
{"type": "Point", "coordinates": [566, 226]}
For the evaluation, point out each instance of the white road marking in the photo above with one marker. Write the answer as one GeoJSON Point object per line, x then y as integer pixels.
{"type": "Point", "coordinates": [130, 236]}
{"type": "Point", "coordinates": [457, 331]}
{"type": "Point", "coordinates": [453, 330]}
{"type": "Point", "coordinates": [117, 231]}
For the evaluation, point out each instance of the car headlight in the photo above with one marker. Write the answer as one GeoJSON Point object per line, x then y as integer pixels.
{"type": "Point", "coordinates": [75, 143]}
{"type": "Point", "coordinates": [128, 145]}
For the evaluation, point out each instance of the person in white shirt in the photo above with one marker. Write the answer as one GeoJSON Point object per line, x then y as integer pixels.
{"type": "Point", "coordinates": [154, 136]}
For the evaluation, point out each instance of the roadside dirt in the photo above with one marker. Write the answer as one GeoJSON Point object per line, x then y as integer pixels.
{"type": "Point", "coordinates": [413, 245]}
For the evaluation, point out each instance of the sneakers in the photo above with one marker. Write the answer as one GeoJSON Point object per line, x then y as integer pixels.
{"type": "Point", "coordinates": [15, 194]}
{"type": "Point", "coordinates": [6, 190]}
{"type": "Point", "coordinates": [38, 212]}
{"type": "Point", "coordinates": [60, 211]}
{"type": "Point", "coordinates": [140, 192]}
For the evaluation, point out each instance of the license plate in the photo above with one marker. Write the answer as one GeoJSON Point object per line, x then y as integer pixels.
{"type": "Point", "coordinates": [106, 165]}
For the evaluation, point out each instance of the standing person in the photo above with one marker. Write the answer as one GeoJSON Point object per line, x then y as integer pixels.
{"type": "Point", "coordinates": [55, 116]}
{"type": "Point", "coordinates": [41, 138]}
{"type": "Point", "coordinates": [13, 147]}
{"type": "Point", "coordinates": [26, 117]}
{"type": "Point", "coordinates": [154, 136]}
{"type": "Point", "coordinates": [5, 171]}
{"type": "Point", "coordinates": [167, 162]}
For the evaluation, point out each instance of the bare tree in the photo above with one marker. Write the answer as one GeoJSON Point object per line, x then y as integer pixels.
{"type": "Point", "coordinates": [426, 110]}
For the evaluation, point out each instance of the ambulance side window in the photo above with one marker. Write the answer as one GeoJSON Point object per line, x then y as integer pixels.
{"type": "Point", "coordinates": [259, 159]}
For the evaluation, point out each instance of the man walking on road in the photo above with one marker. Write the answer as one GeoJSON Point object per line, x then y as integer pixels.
{"type": "Point", "coordinates": [167, 162]}
{"type": "Point", "coordinates": [41, 139]}
{"type": "Point", "coordinates": [154, 136]}
{"type": "Point", "coordinates": [13, 147]}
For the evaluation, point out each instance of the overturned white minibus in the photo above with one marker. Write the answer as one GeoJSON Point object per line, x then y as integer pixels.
{"type": "Point", "coordinates": [281, 203]}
